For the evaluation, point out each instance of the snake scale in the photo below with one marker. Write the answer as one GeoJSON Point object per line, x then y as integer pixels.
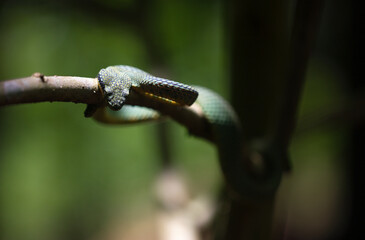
{"type": "Point", "coordinates": [117, 81]}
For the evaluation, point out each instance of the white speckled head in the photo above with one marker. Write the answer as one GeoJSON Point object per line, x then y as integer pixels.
{"type": "Point", "coordinates": [115, 85]}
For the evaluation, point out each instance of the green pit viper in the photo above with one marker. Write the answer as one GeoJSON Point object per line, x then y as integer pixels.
{"type": "Point", "coordinates": [117, 82]}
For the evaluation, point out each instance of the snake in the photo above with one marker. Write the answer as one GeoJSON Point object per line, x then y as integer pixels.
{"type": "Point", "coordinates": [116, 83]}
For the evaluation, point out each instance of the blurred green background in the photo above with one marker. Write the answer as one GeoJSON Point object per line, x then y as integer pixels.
{"type": "Point", "coordinates": [63, 176]}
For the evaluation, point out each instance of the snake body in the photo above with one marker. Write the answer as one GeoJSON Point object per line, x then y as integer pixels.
{"type": "Point", "coordinates": [116, 82]}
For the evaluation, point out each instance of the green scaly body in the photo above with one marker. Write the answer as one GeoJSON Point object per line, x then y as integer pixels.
{"type": "Point", "coordinates": [117, 81]}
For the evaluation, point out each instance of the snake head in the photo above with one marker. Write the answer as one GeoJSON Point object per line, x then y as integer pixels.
{"type": "Point", "coordinates": [115, 86]}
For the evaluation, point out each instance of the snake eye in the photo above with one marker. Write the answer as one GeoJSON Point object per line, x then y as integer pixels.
{"type": "Point", "coordinates": [108, 92]}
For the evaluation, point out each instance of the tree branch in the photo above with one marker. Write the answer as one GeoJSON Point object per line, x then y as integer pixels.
{"type": "Point", "coordinates": [40, 88]}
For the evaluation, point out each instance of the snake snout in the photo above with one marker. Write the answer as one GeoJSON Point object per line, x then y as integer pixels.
{"type": "Point", "coordinates": [116, 98]}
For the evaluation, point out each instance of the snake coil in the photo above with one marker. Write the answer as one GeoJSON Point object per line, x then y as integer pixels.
{"type": "Point", "coordinates": [227, 134]}
{"type": "Point", "coordinates": [117, 81]}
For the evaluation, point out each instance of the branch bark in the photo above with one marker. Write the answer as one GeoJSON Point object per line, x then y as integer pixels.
{"type": "Point", "coordinates": [40, 88]}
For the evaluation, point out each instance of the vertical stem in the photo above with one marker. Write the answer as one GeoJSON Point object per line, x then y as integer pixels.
{"type": "Point", "coordinates": [258, 47]}
{"type": "Point", "coordinates": [164, 144]}
{"type": "Point", "coordinates": [267, 78]}
{"type": "Point", "coordinates": [305, 26]}
{"type": "Point", "coordinates": [258, 32]}
{"type": "Point", "coordinates": [250, 220]}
